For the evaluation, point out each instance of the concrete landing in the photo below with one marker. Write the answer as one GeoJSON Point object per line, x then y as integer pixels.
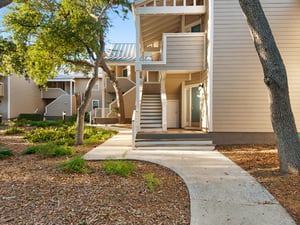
{"type": "Point", "coordinates": [220, 191]}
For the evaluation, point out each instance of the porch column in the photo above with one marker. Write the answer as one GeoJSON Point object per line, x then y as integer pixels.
{"type": "Point", "coordinates": [137, 63]}
{"type": "Point", "coordinates": [103, 95]}
{"type": "Point", "coordinates": [71, 103]}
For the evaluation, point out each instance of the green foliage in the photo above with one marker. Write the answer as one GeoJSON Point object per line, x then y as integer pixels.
{"type": "Point", "coordinates": [47, 35]}
{"type": "Point", "coordinates": [152, 181]}
{"type": "Point", "coordinates": [4, 152]}
{"type": "Point", "coordinates": [14, 130]}
{"type": "Point", "coordinates": [65, 135]}
{"type": "Point", "coordinates": [122, 168]}
{"type": "Point", "coordinates": [49, 150]}
{"type": "Point", "coordinates": [30, 116]}
{"type": "Point", "coordinates": [75, 165]}
{"type": "Point", "coordinates": [46, 123]}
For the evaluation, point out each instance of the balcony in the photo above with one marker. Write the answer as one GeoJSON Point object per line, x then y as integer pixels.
{"type": "Point", "coordinates": [180, 51]}
{"type": "Point", "coordinates": [170, 7]}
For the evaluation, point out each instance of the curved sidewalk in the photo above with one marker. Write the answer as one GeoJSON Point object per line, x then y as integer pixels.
{"type": "Point", "coordinates": [220, 191]}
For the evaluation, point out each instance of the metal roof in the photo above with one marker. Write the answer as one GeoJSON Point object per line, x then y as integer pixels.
{"type": "Point", "coordinates": [121, 52]}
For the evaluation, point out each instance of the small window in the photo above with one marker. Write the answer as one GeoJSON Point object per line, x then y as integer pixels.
{"type": "Point", "coordinates": [96, 86]}
{"type": "Point", "coordinates": [125, 73]}
{"type": "Point", "coordinates": [196, 28]}
{"type": "Point", "coordinates": [95, 104]}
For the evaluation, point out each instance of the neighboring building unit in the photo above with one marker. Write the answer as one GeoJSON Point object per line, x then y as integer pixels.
{"type": "Point", "coordinates": [197, 68]}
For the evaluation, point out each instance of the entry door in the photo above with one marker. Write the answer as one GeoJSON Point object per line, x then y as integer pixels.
{"type": "Point", "coordinates": [173, 114]}
{"type": "Point", "coordinates": [195, 100]}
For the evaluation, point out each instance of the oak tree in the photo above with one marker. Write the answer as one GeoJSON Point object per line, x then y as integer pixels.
{"type": "Point", "coordinates": [275, 78]}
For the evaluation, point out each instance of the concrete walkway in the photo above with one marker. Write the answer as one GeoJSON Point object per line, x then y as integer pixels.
{"type": "Point", "coordinates": [220, 191]}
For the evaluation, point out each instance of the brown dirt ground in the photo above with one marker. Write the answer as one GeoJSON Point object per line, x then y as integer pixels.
{"type": "Point", "coordinates": [262, 163]}
{"type": "Point", "coordinates": [34, 191]}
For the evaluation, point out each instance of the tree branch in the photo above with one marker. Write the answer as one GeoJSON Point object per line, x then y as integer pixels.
{"type": "Point", "coordinates": [4, 3]}
{"type": "Point", "coordinates": [80, 62]}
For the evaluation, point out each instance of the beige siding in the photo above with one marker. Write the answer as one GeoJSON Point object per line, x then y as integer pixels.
{"type": "Point", "coordinates": [173, 85]}
{"type": "Point", "coordinates": [182, 53]}
{"type": "Point", "coordinates": [240, 98]}
{"type": "Point", "coordinates": [25, 97]}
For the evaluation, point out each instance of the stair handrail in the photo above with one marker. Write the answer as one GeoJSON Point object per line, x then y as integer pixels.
{"type": "Point", "coordinates": [163, 100]}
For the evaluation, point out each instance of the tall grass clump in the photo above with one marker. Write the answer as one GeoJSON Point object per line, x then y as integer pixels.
{"type": "Point", "coordinates": [122, 168]}
{"type": "Point", "coordinates": [75, 165]}
{"type": "Point", "coordinates": [14, 130]}
{"type": "Point", "coordinates": [49, 150]}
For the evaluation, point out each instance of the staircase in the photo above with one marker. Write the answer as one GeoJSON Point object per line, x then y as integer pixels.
{"type": "Point", "coordinates": [151, 113]}
{"type": "Point", "coordinates": [173, 141]}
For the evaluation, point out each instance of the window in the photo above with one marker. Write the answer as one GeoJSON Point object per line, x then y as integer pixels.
{"type": "Point", "coordinates": [196, 28]}
{"type": "Point", "coordinates": [96, 86]}
{"type": "Point", "coordinates": [95, 104]}
{"type": "Point", "coordinates": [125, 73]}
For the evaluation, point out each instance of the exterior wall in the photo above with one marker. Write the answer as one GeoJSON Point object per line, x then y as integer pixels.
{"type": "Point", "coordinates": [184, 51]}
{"type": "Point", "coordinates": [80, 86]}
{"type": "Point", "coordinates": [58, 106]}
{"type": "Point", "coordinates": [25, 97]}
{"type": "Point", "coordinates": [173, 85]}
{"type": "Point", "coordinates": [4, 99]}
{"type": "Point", "coordinates": [240, 98]}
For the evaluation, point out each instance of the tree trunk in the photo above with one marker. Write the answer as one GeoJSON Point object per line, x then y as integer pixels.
{"type": "Point", "coordinates": [118, 91]}
{"type": "Point", "coordinates": [82, 109]}
{"type": "Point", "coordinates": [275, 78]}
{"type": "Point", "coordinates": [4, 3]}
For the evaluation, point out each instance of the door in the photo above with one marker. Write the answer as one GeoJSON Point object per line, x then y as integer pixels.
{"type": "Point", "coordinates": [173, 114]}
{"type": "Point", "coordinates": [195, 102]}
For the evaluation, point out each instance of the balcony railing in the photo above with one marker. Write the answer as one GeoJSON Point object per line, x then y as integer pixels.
{"type": "Point", "coordinates": [52, 93]}
{"type": "Point", "coordinates": [180, 51]}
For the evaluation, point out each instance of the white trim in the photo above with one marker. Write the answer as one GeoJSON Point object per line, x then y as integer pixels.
{"type": "Point", "coordinates": [190, 10]}
{"type": "Point", "coordinates": [8, 97]}
{"type": "Point", "coordinates": [71, 95]}
{"type": "Point", "coordinates": [98, 103]}
{"type": "Point", "coordinates": [210, 55]}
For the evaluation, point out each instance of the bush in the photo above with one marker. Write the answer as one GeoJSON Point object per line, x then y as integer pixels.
{"type": "Point", "coordinates": [46, 123]}
{"type": "Point", "coordinates": [151, 181]}
{"type": "Point", "coordinates": [75, 165]}
{"type": "Point", "coordinates": [30, 116]}
{"type": "Point", "coordinates": [66, 135]}
{"type": "Point", "coordinates": [49, 150]}
{"type": "Point", "coordinates": [122, 168]}
{"type": "Point", "coordinates": [14, 130]}
{"type": "Point", "coordinates": [4, 153]}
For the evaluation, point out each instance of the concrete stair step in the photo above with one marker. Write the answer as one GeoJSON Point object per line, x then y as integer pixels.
{"type": "Point", "coordinates": [178, 148]}
{"type": "Point", "coordinates": [173, 142]}
{"type": "Point", "coordinates": [153, 125]}
{"type": "Point", "coordinates": [144, 121]}
{"type": "Point", "coordinates": [150, 118]}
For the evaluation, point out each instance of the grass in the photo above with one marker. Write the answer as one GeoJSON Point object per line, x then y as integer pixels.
{"type": "Point", "coordinates": [75, 165]}
{"type": "Point", "coordinates": [4, 153]}
{"type": "Point", "coordinates": [151, 181]}
{"type": "Point", "coordinates": [122, 168]}
{"type": "Point", "coordinates": [49, 150]}
{"type": "Point", "coordinates": [14, 130]}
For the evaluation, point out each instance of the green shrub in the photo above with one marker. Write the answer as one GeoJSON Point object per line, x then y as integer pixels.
{"type": "Point", "coordinates": [151, 181]}
{"type": "Point", "coordinates": [14, 130]}
{"type": "Point", "coordinates": [49, 150]}
{"type": "Point", "coordinates": [46, 123]}
{"type": "Point", "coordinates": [122, 168]}
{"type": "Point", "coordinates": [75, 165]}
{"type": "Point", "coordinates": [66, 135]}
{"type": "Point", "coordinates": [30, 116]}
{"type": "Point", "coordinates": [4, 153]}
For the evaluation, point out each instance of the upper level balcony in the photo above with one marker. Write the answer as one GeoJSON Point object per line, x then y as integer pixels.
{"type": "Point", "coordinates": [179, 51]}
{"type": "Point", "coordinates": [52, 93]}
{"type": "Point", "coordinates": [170, 7]}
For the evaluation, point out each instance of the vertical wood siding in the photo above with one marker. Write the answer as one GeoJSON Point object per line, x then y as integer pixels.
{"type": "Point", "coordinates": [240, 98]}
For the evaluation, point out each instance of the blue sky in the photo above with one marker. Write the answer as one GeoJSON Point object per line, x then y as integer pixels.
{"type": "Point", "coordinates": [122, 31]}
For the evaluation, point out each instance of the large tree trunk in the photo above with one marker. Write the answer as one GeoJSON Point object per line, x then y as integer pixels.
{"type": "Point", "coordinates": [118, 91]}
{"type": "Point", "coordinates": [83, 108]}
{"type": "Point", "coordinates": [4, 3]}
{"type": "Point", "coordinates": [275, 78]}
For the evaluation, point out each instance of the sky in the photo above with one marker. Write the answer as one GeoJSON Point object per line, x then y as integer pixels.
{"type": "Point", "coordinates": [122, 31]}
